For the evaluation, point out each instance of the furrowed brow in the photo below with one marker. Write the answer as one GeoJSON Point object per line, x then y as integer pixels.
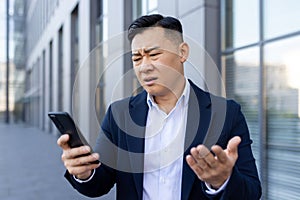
{"type": "Point", "coordinates": [151, 49]}
{"type": "Point", "coordinates": [138, 53]}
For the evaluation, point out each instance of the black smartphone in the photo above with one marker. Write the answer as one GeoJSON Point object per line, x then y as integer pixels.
{"type": "Point", "coordinates": [66, 125]}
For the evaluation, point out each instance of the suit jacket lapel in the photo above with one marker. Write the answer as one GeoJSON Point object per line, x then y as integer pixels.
{"type": "Point", "coordinates": [195, 132]}
{"type": "Point", "coordinates": [138, 111]}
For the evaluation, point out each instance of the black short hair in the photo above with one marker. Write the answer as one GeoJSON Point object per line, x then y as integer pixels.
{"type": "Point", "coordinates": [154, 20]}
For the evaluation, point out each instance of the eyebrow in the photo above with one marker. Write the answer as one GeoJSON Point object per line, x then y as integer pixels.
{"type": "Point", "coordinates": [146, 51]}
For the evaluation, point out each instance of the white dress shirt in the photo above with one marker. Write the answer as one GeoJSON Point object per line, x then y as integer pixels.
{"type": "Point", "coordinates": [164, 147]}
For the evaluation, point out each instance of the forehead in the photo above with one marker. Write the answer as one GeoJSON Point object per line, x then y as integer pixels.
{"type": "Point", "coordinates": [150, 37]}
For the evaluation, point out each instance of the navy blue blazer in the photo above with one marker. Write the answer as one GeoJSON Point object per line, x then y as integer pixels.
{"type": "Point", "coordinates": [122, 163]}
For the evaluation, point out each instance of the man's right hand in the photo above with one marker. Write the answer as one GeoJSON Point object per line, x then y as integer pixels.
{"type": "Point", "coordinates": [73, 160]}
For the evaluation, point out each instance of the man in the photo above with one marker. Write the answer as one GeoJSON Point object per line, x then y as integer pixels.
{"type": "Point", "coordinates": [151, 145]}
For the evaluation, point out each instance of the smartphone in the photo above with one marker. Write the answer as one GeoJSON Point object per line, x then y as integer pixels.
{"type": "Point", "coordinates": [66, 125]}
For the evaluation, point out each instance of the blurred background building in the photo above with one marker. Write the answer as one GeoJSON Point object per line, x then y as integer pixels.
{"type": "Point", "coordinates": [254, 43]}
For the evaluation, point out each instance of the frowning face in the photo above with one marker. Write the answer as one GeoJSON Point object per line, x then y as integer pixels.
{"type": "Point", "coordinates": [158, 61]}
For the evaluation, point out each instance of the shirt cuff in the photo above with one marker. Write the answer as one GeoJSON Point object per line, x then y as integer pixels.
{"type": "Point", "coordinates": [86, 180]}
{"type": "Point", "coordinates": [213, 191]}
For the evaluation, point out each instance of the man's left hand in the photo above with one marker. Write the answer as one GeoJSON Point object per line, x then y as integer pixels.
{"type": "Point", "coordinates": [214, 169]}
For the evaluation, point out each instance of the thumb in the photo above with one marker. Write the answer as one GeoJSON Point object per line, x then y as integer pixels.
{"type": "Point", "coordinates": [233, 144]}
{"type": "Point", "coordinates": [63, 141]}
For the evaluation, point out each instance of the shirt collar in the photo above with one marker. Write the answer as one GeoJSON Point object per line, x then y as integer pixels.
{"type": "Point", "coordinates": [184, 97]}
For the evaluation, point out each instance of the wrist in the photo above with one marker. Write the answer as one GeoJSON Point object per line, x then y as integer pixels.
{"type": "Point", "coordinates": [85, 180]}
{"type": "Point", "coordinates": [213, 191]}
{"type": "Point", "coordinates": [84, 176]}
{"type": "Point", "coordinates": [219, 184]}
{"type": "Point", "coordinates": [215, 186]}
{"type": "Point", "coordinates": [221, 181]}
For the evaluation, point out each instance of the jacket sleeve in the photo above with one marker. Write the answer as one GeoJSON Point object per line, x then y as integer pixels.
{"type": "Point", "coordinates": [244, 182]}
{"type": "Point", "coordinates": [100, 184]}
{"type": "Point", "coordinates": [104, 177]}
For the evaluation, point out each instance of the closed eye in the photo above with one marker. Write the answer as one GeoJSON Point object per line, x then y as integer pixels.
{"type": "Point", "coordinates": [136, 59]}
{"type": "Point", "coordinates": [154, 54]}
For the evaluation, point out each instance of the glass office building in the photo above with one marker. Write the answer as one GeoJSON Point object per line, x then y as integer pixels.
{"type": "Point", "coordinates": [11, 78]}
{"type": "Point", "coordinates": [261, 58]}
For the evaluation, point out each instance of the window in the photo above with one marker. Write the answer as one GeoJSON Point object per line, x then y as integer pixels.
{"type": "Point", "coordinates": [242, 84]}
{"type": "Point", "coordinates": [241, 23]}
{"type": "Point", "coordinates": [261, 61]}
{"type": "Point", "coordinates": [60, 76]}
{"type": "Point", "coordinates": [283, 123]}
{"type": "Point", "coordinates": [149, 6]}
{"type": "Point", "coordinates": [74, 49]}
{"type": "Point", "coordinates": [43, 89]}
{"type": "Point", "coordinates": [281, 17]}
{"type": "Point", "coordinates": [96, 58]}
{"type": "Point", "coordinates": [50, 80]}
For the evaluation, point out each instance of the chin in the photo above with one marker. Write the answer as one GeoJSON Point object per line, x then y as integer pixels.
{"type": "Point", "coordinates": [152, 91]}
{"type": "Point", "coordinates": [155, 90]}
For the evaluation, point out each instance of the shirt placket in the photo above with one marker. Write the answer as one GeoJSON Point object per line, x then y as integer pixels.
{"type": "Point", "coordinates": [161, 179]}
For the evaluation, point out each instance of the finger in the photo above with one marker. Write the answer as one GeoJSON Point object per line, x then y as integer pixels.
{"type": "Point", "coordinates": [82, 169]}
{"type": "Point", "coordinates": [211, 161]}
{"type": "Point", "coordinates": [84, 160]}
{"type": "Point", "coordinates": [202, 151]}
{"type": "Point", "coordinates": [190, 160]}
{"type": "Point", "coordinates": [76, 152]}
{"type": "Point", "coordinates": [195, 154]}
{"type": "Point", "coordinates": [62, 141]}
{"type": "Point", "coordinates": [233, 144]}
{"type": "Point", "coordinates": [219, 153]}
{"type": "Point", "coordinates": [199, 161]}
{"type": "Point", "coordinates": [194, 166]}
{"type": "Point", "coordinates": [208, 159]}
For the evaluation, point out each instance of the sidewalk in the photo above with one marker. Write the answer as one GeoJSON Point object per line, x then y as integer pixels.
{"type": "Point", "coordinates": [31, 167]}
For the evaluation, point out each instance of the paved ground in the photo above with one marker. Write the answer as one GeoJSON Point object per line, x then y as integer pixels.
{"type": "Point", "coordinates": [30, 166]}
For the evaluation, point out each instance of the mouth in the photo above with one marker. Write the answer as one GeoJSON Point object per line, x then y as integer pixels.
{"type": "Point", "coordinates": [149, 81]}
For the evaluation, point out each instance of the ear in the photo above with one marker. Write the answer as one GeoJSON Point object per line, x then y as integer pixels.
{"type": "Point", "coordinates": [184, 51]}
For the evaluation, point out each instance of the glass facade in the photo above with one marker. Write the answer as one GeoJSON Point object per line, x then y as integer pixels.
{"type": "Point", "coordinates": [242, 84]}
{"type": "Point", "coordinates": [74, 52]}
{"type": "Point", "coordinates": [282, 65]}
{"type": "Point", "coordinates": [60, 70]}
{"type": "Point", "coordinates": [261, 59]}
{"type": "Point", "coordinates": [2, 59]}
{"type": "Point", "coordinates": [3, 32]}
{"type": "Point", "coordinates": [50, 82]}
{"type": "Point", "coordinates": [149, 6]}
{"type": "Point", "coordinates": [280, 17]}
{"type": "Point", "coordinates": [38, 14]}
{"type": "Point", "coordinates": [236, 31]}
{"type": "Point", "coordinates": [42, 90]}
{"type": "Point", "coordinates": [96, 60]}
{"type": "Point", "coordinates": [13, 86]}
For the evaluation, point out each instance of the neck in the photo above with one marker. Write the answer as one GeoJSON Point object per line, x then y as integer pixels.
{"type": "Point", "coordinates": [168, 101]}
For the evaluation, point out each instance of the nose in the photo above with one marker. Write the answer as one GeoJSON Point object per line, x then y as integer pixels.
{"type": "Point", "coordinates": [146, 65]}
